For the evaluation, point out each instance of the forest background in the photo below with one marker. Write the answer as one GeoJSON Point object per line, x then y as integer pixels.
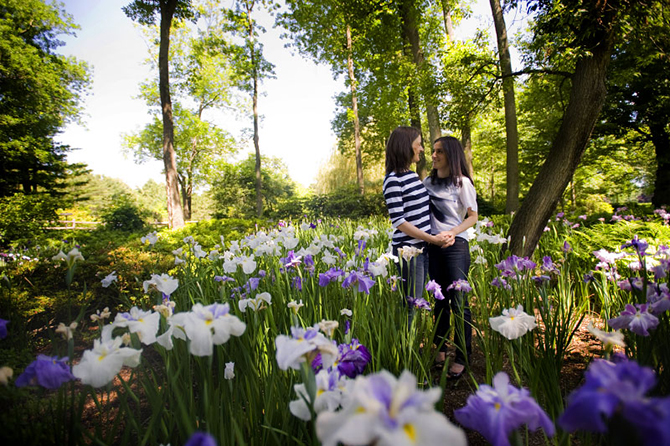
{"type": "Point", "coordinates": [401, 64]}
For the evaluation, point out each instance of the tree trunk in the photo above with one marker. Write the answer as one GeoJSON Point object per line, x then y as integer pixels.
{"type": "Point", "coordinates": [411, 34]}
{"type": "Point", "coordinates": [661, 140]}
{"type": "Point", "coordinates": [492, 184]}
{"type": "Point", "coordinates": [354, 106]}
{"type": "Point", "coordinates": [185, 197]}
{"type": "Point", "coordinates": [586, 100]}
{"type": "Point", "coordinates": [512, 203]}
{"type": "Point", "coordinates": [259, 184]}
{"type": "Point", "coordinates": [466, 142]}
{"type": "Point", "coordinates": [254, 99]}
{"type": "Point", "coordinates": [448, 24]}
{"type": "Point", "coordinates": [174, 208]}
{"type": "Point", "coordinates": [415, 121]}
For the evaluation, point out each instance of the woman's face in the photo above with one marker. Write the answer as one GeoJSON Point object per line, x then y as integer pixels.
{"type": "Point", "coordinates": [439, 157]}
{"type": "Point", "coordinates": [418, 148]}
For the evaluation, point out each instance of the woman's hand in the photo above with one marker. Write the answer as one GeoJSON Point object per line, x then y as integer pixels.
{"type": "Point", "coordinates": [445, 239]}
{"type": "Point", "coordinates": [447, 235]}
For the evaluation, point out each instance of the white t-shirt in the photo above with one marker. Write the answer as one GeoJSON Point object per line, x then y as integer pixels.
{"type": "Point", "coordinates": [449, 204]}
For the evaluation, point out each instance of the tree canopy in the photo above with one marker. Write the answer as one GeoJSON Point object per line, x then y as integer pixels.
{"type": "Point", "coordinates": [40, 91]}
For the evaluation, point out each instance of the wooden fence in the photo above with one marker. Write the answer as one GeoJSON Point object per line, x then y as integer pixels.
{"type": "Point", "coordinates": [91, 225]}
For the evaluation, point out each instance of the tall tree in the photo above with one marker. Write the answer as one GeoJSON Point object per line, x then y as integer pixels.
{"type": "Point", "coordinates": [251, 68]}
{"type": "Point", "coordinates": [40, 91]}
{"type": "Point", "coordinates": [591, 31]}
{"type": "Point", "coordinates": [199, 146]}
{"type": "Point", "coordinates": [512, 202]}
{"type": "Point", "coordinates": [410, 31]}
{"type": "Point", "coordinates": [354, 109]}
{"type": "Point", "coordinates": [146, 12]}
{"type": "Point", "coordinates": [233, 187]}
{"type": "Point", "coordinates": [201, 81]}
{"type": "Point", "coordinates": [333, 31]}
{"type": "Point", "coordinates": [639, 87]}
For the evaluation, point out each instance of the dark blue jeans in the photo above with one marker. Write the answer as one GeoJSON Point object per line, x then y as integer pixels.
{"type": "Point", "coordinates": [413, 272]}
{"type": "Point", "coordinates": [446, 265]}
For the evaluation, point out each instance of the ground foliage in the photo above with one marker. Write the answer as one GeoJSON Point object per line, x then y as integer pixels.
{"type": "Point", "coordinates": [35, 298]}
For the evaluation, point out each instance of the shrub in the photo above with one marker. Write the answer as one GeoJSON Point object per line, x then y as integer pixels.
{"type": "Point", "coordinates": [346, 202]}
{"type": "Point", "coordinates": [25, 216]}
{"type": "Point", "coordinates": [123, 215]}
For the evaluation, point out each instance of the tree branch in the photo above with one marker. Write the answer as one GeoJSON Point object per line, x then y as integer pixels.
{"type": "Point", "coordinates": [536, 71]}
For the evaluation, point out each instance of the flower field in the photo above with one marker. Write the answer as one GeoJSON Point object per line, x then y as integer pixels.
{"type": "Point", "coordinates": [298, 333]}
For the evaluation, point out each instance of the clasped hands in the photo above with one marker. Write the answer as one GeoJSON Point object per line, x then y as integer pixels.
{"type": "Point", "coordinates": [445, 239]}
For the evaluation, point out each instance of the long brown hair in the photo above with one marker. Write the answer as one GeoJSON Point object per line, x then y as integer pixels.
{"type": "Point", "coordinates": [458, 168]}
{"type": "Point", "coordinates": [399, 152]}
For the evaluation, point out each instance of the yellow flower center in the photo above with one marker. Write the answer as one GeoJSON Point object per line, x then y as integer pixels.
{"type": "Point", "coordinates": [410, 431]}
{"type": "Point", "coordinates": [497, 406]}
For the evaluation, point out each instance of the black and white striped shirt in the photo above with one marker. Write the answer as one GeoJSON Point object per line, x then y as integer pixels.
{"type": "Point", "coordinates": [407, 201]}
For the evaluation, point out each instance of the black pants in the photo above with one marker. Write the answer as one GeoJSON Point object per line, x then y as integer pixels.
{"type": "Point", "coordinates": [446, 265]}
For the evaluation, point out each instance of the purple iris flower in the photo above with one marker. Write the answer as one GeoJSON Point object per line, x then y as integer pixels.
{"type": "Point", "coordinates": [661, 270]}
{"type": "Point", "coordinates": [636, 318]}
{"type": "Point", "coordinates": [541, 279]}
{"type": "Point", "coordinates": [47, 371]}
{"type": "Point", "coordinates": [419, 303]}
{"type": "Point", "coordinates": [640, 246]}
{"type": "Point", "coordinates": [560, 215]}
{"type": "Point", "coordinates": [364, 282]}
{"type": "Point", "coordinates": [3, 328]}
{"type": "Point", "coordinates": [309, 263]}
{"type": "Point", "coordinates": [291, 260]}
{"type": "Point", "coordinates": [589, 277]}
{"type": "Point", "coordinates": [352, 359]}
{"type": "Point", "coordinates": [361, 247]}
{"type": "Point", "coordinates": [312, 226]}
{"type": "Point", "coordinates": [262, 273]}
{"type": "Point", "coordinates": [548, 265]}
{"type": "Point", "coordinates": [566, 247]}
{"type": "Point", "coordinates": [347, 327]}
{"type": "Point", "coordinates": [340, 252]}
{"type": "Point", "coordinates": [329, 276]}
{"type": "Point", "coordinates": [252, 283]}
{"type": "Point", "coordinates": [393, 281]}
{"type": "Point", "coordinates": [297, 283]}
{"type": "Point", "coordinates": [435, 288]}
{"type": "Point", "coordinates": [237, 292]}
{"type": "Point", "coordinates": [513, 266]}
{"type": "Point", "coordinates": [620, 386]}
{"type": "Point", "coordinates": [499, 282]}
{"type": "Point", "coordinates": [223, 279]}
{"type": "Point", "coordinates": [496, 411]}
{"type": "Point", "coordinates": [460, 285]}
{"type": "Point", "coordinates": [658, 298]}
{"type": "Point", "coordinates": [201, 439]}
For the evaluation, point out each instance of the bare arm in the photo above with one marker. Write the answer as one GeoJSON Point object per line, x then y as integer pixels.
{"type": "Point", "coordinates": [414, 232]}
{"type": "Point", "coordinates": [467, 223]}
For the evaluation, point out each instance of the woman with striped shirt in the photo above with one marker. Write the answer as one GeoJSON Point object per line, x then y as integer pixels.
{"type": "Point", "coordinates": [408, 205]}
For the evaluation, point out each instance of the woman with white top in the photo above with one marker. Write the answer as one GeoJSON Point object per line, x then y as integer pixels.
{"type": "Point", "coordinates": [453, 206]}
{"type": "Point", "coordinates": [408, 205]}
